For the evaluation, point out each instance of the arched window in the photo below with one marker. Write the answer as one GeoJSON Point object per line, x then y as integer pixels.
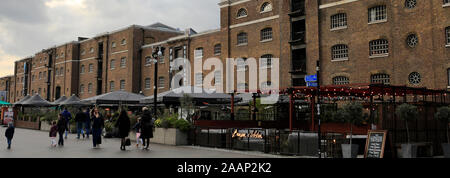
{"type": "Point", "coordinates": [217, 49]}
{"type": "Point", "coordinates": [122, 85]}
{"type": "Point", "coordinates": [379, 47]}
{"type": "Point", "coordinates": [266, 7]}
{"type": "Point", "coordinates": [124, 42]}
{"type": "Point", "coordinates": [82, 69]}
{"type": "Point", "coordinates": [341, 80]}
{"type": "Point", "coordinates": [266, 34]}
{"type": "Point", "coordinates": [242, 13]}
{"type": "Point", "coordinates": [340, 52]}
{"type": "Point", "coordinates": [81, 88]}
{"type": "Point", "coordinates": [381, 79]}
{"type": "Point", "coordinates": [242, 38]}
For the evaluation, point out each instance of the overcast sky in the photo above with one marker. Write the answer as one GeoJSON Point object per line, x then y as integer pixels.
{"type": "Point", "coordinates": [28, 26]}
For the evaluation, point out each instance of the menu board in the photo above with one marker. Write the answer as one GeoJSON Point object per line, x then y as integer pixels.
{"type": "Point", "coordinates": [375, 144]}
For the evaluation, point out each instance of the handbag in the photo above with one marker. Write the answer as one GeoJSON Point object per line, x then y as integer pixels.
{"type": "Point", "coordinates": [127, 142]}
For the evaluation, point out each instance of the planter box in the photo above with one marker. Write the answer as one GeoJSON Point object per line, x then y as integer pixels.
{"type": "Point", "coordinates": [169, 137]}
{"type": "Point", "coordinates": [27, 124]}
{"type": "Point", "coordinates": [45, 126]}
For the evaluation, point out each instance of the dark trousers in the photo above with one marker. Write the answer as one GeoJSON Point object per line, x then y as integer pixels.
{"type": "Point", "coordinates": [96, 136]}
{"type": "Point", "coordinates": [79, 129]}
{"type": "Point", "coordinates": [9, 142]}
{"type": "Point", "coordinates": [61, 138]}
{"type": "Point", "coordinates": [146, 140]}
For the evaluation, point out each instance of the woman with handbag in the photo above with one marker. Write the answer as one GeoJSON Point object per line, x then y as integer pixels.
{"type": "Point", "coordinates": [124, 125]}
{"type": "Point", "coordinates": [97, 128]}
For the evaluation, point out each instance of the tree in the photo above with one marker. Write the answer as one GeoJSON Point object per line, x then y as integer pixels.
{"type": "Point", "coordinates": [351, 113]}
{"type": "Point", "coordinates": [407, 113]}
{"type": "Point", "coordinates": [443, 114]}
{"type": "Point", "coordinates": [187, 104]}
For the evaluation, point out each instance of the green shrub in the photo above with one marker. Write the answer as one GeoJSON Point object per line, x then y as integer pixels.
{"type": "Point", "coordinates": [182, 125]}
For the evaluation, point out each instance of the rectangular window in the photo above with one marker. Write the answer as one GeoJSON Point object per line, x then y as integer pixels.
{"type": "Point", "coordinates": [90, 88]}
{"type": "Point", "coordinates": [111, 86]}
{"type": "Point", "coordinates": [339, 21]}
{"type": "Point", "coordinates": [340, 52]}
{"type": "Point", "coordinates": [122, 85]}
{"type": "Point", "coordinates": [147, 83]}
{"type": "Point", "coordinates": [218, 78]}
{"type": "Point", "coordinates": [379, 47]}
{"type": "Point", "coordinates": [340, 80]}
{"type": "Point", "coordinates": [377, 14]}
{"type": "Point", "coordinates": [91, 68]}
{"type": "Point", "coordinates": [447, 34]}
{"type": "Point", "coordinates": [123, 62]}
{"type": "Point", "coordinates": [198, 79]}
{"type": "Point", "coordinates": [446, 2]}
{"type": "Point", "coordinates": [148, 61]}
{"type": "Point", "coordinates": [266, 34]}
{"type": "Point", "coordinates": [381, 79]}
{"type": "Point", "coordinates": [242, 39]}
{"type": "Point", "coordinates": [113, 64]}
{"type": "Point", "coordinates": [448, 76]}
{"type": "Point", "coordinates": [198, 53]}
{"type": "Point", "coordinates": [162, 82]}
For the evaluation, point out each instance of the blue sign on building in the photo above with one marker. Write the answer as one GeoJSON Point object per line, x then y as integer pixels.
{"type": "Point", "coordinates": [311, 78]}
{"type": "Point", "coordinates": [311, 84]}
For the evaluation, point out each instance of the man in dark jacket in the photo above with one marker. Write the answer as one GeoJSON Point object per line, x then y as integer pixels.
{"type": "Point", "coordinates": [80, 118]}
{"type": "Point", "coordinates": [146, 128]}
{"type": "Point", "coordinates": [9, 134]}
{"type": "Point", "coordinates": [87, 123]}
{"type": "Point", "coordinates": [67, 116]}
{"type": "Point", "coordinates": [61, 129]}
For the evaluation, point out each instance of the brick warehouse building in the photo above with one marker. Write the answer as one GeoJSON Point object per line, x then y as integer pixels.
{"type": "Point", "coordinates": [387, 45]}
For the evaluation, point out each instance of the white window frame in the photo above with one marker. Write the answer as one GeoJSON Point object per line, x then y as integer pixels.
{"type": "Point", "coordinates": [338, 21]}
{"type": "Point", "coordinates": [91, 68]}
{"type": "Point", "coordinates": [218, 78]}
{"type": "Point", "coordinates": [339, 52]}
{"type": "Point", "coordinates": [265, 64]}
{"type": "Point", "coordinates": [161, 82]}
{"type": "Point", "coordinates": [148, 83]}
{"type": "Point", "coordinates": [266, 7]}
{"type": "Point", "coordinates": [266, 34]}
{"type": "Point", "coordinates": [239, 15]}
{"type": "Point", "coordinates": [218, 49]}
{"type": "Point", "coordinates": [377, 14]}
{"type": "Point", "coordinates": [112, 86]}
{"type": "Point", "coordinates": [380, 79]}
{"type": "Point", "coordinates": [447, 36]}
{"type": "Point", "coordinates": [122, 85]}
{"type": "Point", "coordinates": [379, 48]}
{"type": "Point", "coordinates": [341, 80]}
{"type": "Point", "coordinates": [82, 88]}
{"type": "Point", "coordinates": [123, 62]}
{"type": "Point", "coordinates": [90, 87]}
{"type": "Point", "coordinates": [242, 39]}
{"type": "Point", "coordinates": [112, 64]}
{"type": "Point", "coordinates": [124, 42]}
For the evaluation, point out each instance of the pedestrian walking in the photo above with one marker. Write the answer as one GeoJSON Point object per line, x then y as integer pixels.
{"type": "Point", "coordinates": [137, 128]}
{"type": "Point", "coordinates": [80, 118]}
{"type": "Point", "coordinates": [61, 125]}
{"type": "Point", "coordinates": [146, 128]}
{"type": "Point", "coordinates": [87, 123]}
{"type": "Point", "coordinates": [123, 123]}
{"type": "Point", "coordinates": [9, 134]}
{"type": "Point", "coordinates": [97, 128]}
{"type": "Point", "coordinates": [67, 116]}
{"type": "Point", "coordinates": [53, 133]}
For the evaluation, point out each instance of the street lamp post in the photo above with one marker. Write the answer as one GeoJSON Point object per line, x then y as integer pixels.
{"type": "Point", "coordinates": [318, 109]}
{"type": "Point", "coordinates": [156, 55]}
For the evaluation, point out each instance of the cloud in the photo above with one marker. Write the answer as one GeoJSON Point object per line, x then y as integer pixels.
{"type": "Point", "coordinates": [28, 26]}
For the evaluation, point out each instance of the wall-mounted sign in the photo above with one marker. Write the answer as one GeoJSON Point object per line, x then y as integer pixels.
{"type": "Point", "coordinates": [247, 134]}
{"type": "Point", "coordinates": [376, 141]}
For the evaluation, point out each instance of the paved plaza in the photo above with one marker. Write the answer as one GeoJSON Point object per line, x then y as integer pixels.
{"type": "Point", "coordinates": [36, 144]}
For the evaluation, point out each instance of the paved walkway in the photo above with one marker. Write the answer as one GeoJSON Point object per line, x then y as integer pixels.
{"type": "Point", "coordinates": [36, 144]}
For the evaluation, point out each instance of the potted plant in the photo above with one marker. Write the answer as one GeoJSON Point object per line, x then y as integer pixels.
{"type": "Point", "coordinates": [407, 113]}
{"type": "Point", "coordinates": [443, 114]}
{"type": "Point", "coordinates": [352, 114]}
